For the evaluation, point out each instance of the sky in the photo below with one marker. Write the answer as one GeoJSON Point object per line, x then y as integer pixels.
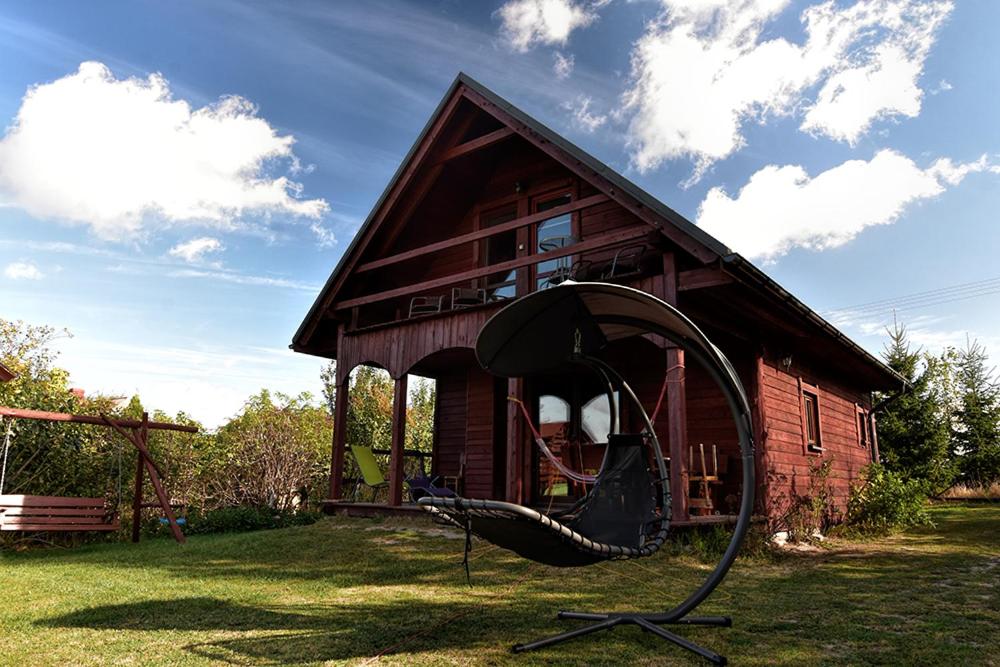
{"type": "Point", "coordinates": [177, 180]}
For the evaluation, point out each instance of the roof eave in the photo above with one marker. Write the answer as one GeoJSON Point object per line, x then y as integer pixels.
{"type": "Point", "coordinates": [740, 263]}
{"type": "Point", "coordinates": [314, 311]}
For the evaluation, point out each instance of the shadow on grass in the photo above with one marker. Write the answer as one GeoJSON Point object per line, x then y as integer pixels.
{"type": "Point", "coordinates": [307, 633]}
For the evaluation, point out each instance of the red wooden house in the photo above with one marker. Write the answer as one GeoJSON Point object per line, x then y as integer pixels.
{"type": "Point", "coordinates": [489, 204]}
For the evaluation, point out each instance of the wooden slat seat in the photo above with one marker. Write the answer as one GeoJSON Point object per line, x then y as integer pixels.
{"type": "Point", "coordinates": [55, 513]}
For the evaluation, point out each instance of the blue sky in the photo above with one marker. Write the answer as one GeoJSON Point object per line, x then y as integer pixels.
{"type": "Point", "coordinates": [178, 179]}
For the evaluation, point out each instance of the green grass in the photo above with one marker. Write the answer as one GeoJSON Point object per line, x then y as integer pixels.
{"type": "Point", "coordinates": [348, 590]}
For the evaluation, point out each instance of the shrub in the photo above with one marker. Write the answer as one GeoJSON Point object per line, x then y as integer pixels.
{"type": "Point", "coordinates": [885, 502]}
{"type": "Point", "coordinates": [800, 514]}
{"type": "Point", "coordinates": [239, 519]}
{"type": "Point", "coordinates": [275, 451]}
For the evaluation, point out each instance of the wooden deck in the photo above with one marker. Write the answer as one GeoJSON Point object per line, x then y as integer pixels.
{"type": "Point", "coordinates": [350, 508]}
{"type": "Point", "coordinates": [359, 509]}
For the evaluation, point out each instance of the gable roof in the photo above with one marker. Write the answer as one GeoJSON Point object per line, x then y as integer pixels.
{"type": "Point", "coordinates": [702, 245]}
{"type": "Point", "coordinates": [5, 374]}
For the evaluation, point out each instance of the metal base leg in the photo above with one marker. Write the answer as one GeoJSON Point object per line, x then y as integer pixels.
{"type": "Point", "coordinates": [648, 623]}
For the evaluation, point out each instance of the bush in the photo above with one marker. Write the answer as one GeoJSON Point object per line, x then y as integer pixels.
{"type": "Point", "coordinates": [240, 519]}
{"type": "Point", "coordinates": [885, 502]}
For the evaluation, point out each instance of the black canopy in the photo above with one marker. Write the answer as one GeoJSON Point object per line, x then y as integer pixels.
{"type": "Point", "coordinates": [542, 332]}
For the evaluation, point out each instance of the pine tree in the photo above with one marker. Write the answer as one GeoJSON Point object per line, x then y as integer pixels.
{"type": "Point", "coordinates": [976, 436]}
{"type": "Point", "coordinates": [914, 429]}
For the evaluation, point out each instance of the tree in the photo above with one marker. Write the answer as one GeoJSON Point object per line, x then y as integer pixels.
{"type": "Point", "coordinates": [914, 429]}
{"type": "Point", "coordinates": [46, 458]}
{"type": "Point", "coordinates": [976, 436]}
{"type": "Point", "coordinates": [420, 416]}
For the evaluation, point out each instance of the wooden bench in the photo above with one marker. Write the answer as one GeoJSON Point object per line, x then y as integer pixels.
{"type": "Point", "coordinates": [55, 513]}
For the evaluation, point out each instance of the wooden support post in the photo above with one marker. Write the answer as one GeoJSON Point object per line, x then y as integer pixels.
{"type": "Point", "coordinates": [677, 433]}
{"type": "Point", "coordinates": [398, 438]}
{"type": "Point", "coordinates": [515, 430]}
{"type": "Point", "coordinates": [339, 445]}
{"type": "Point", "coordinates": [759, 435]}
{"type": "Point", "coordinates": [676, 405]}
{"type": "Point", "coordinates": [138, 438]}
{"type": "Point", "coordinates": [137, 497]}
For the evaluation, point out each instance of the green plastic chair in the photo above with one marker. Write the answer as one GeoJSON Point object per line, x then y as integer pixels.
{"type": "Point", "coordinates": [370, 471]}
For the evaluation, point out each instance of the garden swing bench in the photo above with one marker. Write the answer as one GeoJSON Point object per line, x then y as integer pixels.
{"type": "Point", "coordinates": [626, 513]}
{"type": "Point", "coordinates": [32, 513]}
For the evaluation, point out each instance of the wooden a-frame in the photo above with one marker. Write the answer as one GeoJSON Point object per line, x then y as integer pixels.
{"type": "Point", "coordinates": [137, 433]}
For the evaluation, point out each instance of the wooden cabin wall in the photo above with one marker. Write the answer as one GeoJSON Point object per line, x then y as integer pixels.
{"type": "Point", "coordinates": [465, 423]}
{"type": "Point", "coordinates": [479, 458]}
{"type": "Point", "coordinates": [450, 417]}
{"type": "Point", "coordinates": [710, 422]}
{"type": "Point", "coordinates": [788, 460]}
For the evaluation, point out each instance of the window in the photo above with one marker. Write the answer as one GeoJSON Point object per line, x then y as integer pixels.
{"type": "Point", "coordinates": [553, 410]}
{"type": "Point", "coordinates": [551, 234]}
{"type": "Point", "coordinates": [574, 428]}
{"type": "Point", "coordinates": [595, 418]}
{"type": "Point", "coordinates": [811, 425]}
{"type": "Point", "coordinates": [500, 248]}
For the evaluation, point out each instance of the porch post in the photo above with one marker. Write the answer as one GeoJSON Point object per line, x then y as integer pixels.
{"type": "Point", "coordinates": [676, 405]}
{"type": "Point", "coordinates": [677, 434]}
{"type": "Point", "coordinates": [398, 438]}
{"type": "Point", "coordinates": [515, 388]}
{"type": "Point", "coordinates": [341, 403]}
{"type": "Point", "coordinates": [760, 434]}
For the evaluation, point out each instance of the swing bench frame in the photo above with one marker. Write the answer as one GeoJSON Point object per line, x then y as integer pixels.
{"type": "Point", "coordinates": [45, 509]}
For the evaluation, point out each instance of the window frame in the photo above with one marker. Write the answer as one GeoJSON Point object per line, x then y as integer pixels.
{"type": "Point", "coordinates": [483, 247]}
{"type": "Point", "coordinates": [812, 391]}
{"type": "Point", "coordinates": [864, 429]}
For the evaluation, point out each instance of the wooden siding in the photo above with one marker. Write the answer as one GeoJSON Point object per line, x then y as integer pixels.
{"type": "Point", "coordinates": [479, 459]}
{"type": "Point", "coordinates": [398, 348]}
{"type": "Point", "coordinates": [788, 459]}
{"type": "Point", "coordinates": [450, 416]}
{"type": "Point", "coordinates": [465, 426]}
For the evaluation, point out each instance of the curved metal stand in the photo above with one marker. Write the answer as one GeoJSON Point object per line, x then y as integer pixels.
{"type": "Point", "coordinates": [725, 377]}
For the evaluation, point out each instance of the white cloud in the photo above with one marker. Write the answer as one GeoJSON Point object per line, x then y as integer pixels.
{"type": "Point", "coordinates": [880, 80]}
{"type": "Point", "coordinates": [208, 382]}
{"type": "Point", "coordinates": [324, 237]}
{"type": "Point", "coordinates": [563, 65]}
{"type": "Point", "coordinates": [118, 154]}
{"type": "Point", "coordinates": [942, 87]}
{"type": "Point", "coordinates": [705, 68]}
{"type": "Point", "coordinates": [782, 207]}
{"type": "Point", "coordinates": [194, 251]}
{"type": "Point", "coordinates": [243, 279]}
{"type": "Point", "coordinates": [526, 23]}
{"type": "Point", "coordinates": [582, 116]}
{"type": "Point", "coordinates": [23, 271]}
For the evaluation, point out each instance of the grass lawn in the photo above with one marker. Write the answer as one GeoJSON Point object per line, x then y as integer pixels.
{"type": "Point", "coordinates": [364, 591]}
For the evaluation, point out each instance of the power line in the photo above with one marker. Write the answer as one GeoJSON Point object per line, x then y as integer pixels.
{"type": "Point", "coordinates": [923, 299]}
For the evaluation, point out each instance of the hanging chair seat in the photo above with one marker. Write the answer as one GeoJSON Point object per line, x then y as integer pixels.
{"type": "Point", "coordinates": [527, 532]}
{"type": "Point", "coordinates": [618, 518]}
